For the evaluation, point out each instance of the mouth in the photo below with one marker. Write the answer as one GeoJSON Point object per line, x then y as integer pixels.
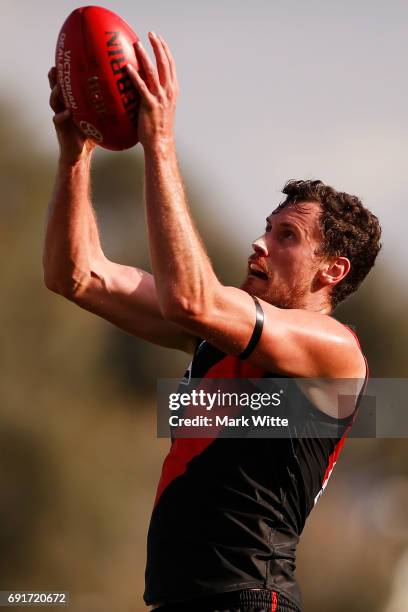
{"type": "Point", "coordinates": [257, 271]}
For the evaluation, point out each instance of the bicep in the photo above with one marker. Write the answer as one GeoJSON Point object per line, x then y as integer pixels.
{"type": "Point", "coordinates": [127, 298]}
{"type": "Point", "coordinates": [293, 342]}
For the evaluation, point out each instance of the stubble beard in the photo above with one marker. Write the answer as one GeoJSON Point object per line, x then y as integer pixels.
{"type": "Point", "coordinates": [277, 295]}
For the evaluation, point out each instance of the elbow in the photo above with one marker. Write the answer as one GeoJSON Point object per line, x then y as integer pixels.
{"type": "Point", "coordinates": [68, 287]}
{"type": "Point", "coordinates": [190, 310]}
{"type": "Point", "coordinates": [51, 278]}
{"type": "Point", "coordinates": [71, 281]}
{"type": "Point", "coordinates": [50, 283]}
{"type": "Point", "coordinates": [182, 310]}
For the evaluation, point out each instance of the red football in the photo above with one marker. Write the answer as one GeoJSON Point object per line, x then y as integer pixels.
{"type": "Point", "coordinates": [93, 48]}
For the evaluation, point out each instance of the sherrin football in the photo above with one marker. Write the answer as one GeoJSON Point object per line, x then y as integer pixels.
{"type": "Point", "coordinates": [93, 48]}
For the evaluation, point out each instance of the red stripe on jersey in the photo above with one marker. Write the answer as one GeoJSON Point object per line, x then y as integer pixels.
{"type": "Point", "coordinates": [354, 334]}
{"type": "Point", "coordinates": [333, 457]}
{"type": "Point", "coordinates": [365, 359]}
{"type": "Point", "coordinates": [274, 602]}
{"type": "Point", "coordinates": [231, 367]}
{"type": "Point", "coordinates": [337, 449]}
{"type": "Point", "coordinates": [183, 450]}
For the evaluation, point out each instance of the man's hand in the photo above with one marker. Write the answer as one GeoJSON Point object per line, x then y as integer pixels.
{"type": "Point", "coordinates": [158, 90]}
{"type": "Point", "coordinates": [73, 144]}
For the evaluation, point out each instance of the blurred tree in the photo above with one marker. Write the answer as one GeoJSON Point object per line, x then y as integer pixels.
{"type": "Point", "coordinates": [118, 199]}
{"type": "Point", "coordinates": [78, 463]}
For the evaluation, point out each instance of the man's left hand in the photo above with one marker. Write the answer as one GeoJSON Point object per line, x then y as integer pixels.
{"type": "Point", "coordinates": [158, 90]}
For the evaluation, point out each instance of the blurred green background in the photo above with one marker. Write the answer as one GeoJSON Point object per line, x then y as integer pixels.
{"type": "Point", "coordinates": [79, 457]}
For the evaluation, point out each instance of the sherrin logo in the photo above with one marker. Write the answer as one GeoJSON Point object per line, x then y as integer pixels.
{"type": "Point", "coordinates": [90, 130]}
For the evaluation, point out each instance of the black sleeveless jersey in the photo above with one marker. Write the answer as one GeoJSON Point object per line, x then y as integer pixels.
{"type": "Point", "coordinates": [229, 512]}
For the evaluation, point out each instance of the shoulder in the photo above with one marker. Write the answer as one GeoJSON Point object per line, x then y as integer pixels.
{"type": "Point", "coordinates": [306, 343]}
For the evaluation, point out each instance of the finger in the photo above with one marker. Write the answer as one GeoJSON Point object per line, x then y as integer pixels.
{"type": "Point", "coordinates": [140, 84]}
{"type": "Point", "coordinates": [55, 91]}
{"type": "Point", "coordinates": [150, 72]}
{"type": "Point", "coordinates": [59, 118]}
{"type": "Point", "coordinates": [52, 76]}
{"type": "Point", "coordinates": [161, 60]}
{"type": "Point", "coordinates": [172, 64]}
{"type": "Point", "coordinates": [56, 102]}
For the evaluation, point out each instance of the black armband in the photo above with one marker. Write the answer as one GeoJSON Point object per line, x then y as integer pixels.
{"type": "Point", "coordinates": [256, 334]}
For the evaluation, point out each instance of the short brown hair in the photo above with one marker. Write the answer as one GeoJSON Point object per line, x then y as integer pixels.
{"type": "Point", "coordinates": [349, 230]}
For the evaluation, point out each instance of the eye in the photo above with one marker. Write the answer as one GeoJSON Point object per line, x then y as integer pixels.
{"type": "Point", "coordinates": [287, 233]}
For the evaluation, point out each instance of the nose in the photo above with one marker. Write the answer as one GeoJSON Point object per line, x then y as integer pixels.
{"type": "Point", "coordinates": [259, 246]}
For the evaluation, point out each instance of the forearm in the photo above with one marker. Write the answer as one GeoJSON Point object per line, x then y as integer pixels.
{"type": "Point", "coordinates": [72, 242]}
{"type": "Point", "coordinates": [182, 268]}
{"type": "Point", "coordinates": [183, 273]}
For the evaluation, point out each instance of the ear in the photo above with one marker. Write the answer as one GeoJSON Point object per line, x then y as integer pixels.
{"type": "Point", "coordinates": [335, 270]}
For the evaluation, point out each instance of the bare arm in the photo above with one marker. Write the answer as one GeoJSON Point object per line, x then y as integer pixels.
{"type": "Point", "coordinates": [74, 263]}
{"type": "Point", "coordinates": [294, 342]}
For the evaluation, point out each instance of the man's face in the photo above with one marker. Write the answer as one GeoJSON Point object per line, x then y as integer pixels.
{"type": "Point", "coordinates": [283, 270]}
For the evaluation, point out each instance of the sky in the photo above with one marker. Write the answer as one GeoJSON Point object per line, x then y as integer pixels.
{"type": "Point", "coordinates": [270, 90]}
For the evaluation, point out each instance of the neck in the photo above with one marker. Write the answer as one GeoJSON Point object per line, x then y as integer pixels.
{"type": "Point", "coordinates": [309, 302]}
{"type": "Point", "coordinates": [316, 304]}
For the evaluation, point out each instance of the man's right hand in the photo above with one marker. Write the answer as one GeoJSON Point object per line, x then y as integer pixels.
{"type": "Point", "coordinates": [73, 144]}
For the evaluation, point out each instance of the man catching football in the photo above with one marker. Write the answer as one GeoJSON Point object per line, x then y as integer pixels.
{"type": "Point", "coordinates": [228, 512]}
